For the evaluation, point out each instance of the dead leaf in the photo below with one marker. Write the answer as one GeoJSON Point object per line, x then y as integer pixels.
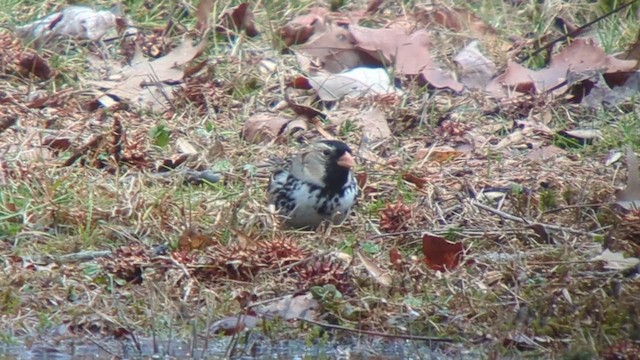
{"type": "Point", "coordinates": [239, 18]}
{"type": "Point", "coordinates": [334, 47]}
{"type": "Point", "coordinates": [440, 254]}
{"type": "Point", "coordinates": [300, 29]}
{"type": "Point", "coordinates": [583, 58]}
{"type": "Point", "coordinates": [582, 136]}
{"type": "Point", "coordinates": [474, 69]}
{"type": "Point", "coordinates": [438, 154]}
{"type": "Point", "coordinates": [616, 260]}
{"type": "Point", "coordinates": [356, 82]}
{"type": "Point", "coordinates": [56, 142]}
{"type": "Point", "coordinates": [374, 124]}
{"type": "Point", "coordinates": [456, 19]}
{"type": "Point", "coordinates": [629, 198]}
{"type": "Point", "coordinates": [73, 21]}
{"type": "Point", "coordinates": [407, 53]}
{"type": "Point", "coordinates": [36, 65]}
{"type": "Point", "coordinates": [291, 307]}
{"type": "Point", "coordinates": [263, 127]}
{"type": "Point", "coordinates": [415, 180]}
{"type": "Point", "coordinates": [396, 259]}
{"type": "Point", "coordinates": [192, 240]}
{"type": "Point", "coordinates": [379, 275]}
{"type": "Point", "coordinates": [545, 153]}
{"type": "Point", "coordinates": [150, 84]}
{"type": "Point", "coordinates": [203, 15]}
{"type": "Point", "coordinates": [185, 147]}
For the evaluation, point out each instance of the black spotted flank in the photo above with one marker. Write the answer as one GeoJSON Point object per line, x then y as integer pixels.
{"type": "Point", "coordinates": [307, 205]}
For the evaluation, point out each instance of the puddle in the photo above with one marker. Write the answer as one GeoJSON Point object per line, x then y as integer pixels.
{"type": "Point", "coordinates": [255, 347]}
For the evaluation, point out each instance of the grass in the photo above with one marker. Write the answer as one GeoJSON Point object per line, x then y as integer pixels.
{"type": "Point", "coordinates": [546, 290]}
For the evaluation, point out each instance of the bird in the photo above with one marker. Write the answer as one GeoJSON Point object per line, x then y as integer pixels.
{"type": "Point", "coordinates": [315, 186]}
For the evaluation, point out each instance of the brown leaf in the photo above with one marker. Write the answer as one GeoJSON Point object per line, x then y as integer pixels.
{"type": "Point", "coordinates": [36, 65]}
{"type": "Point", "coordinates": [545, 153]}
{"type": "Point", "coordinates": [192, 240]}
{"type": "Point", "coordinates": [408, 53]}
{"type": "Point", "coordinates": [379, 275]}
{"type": "Point", "coordinates": [373, 6]}
{"type": "Point", "coordinates": [56, 143]}
{"type": "Point", "coordinates": [396, 258]}
{"type": "Point", "coordinates": [300, 29]}
{"type": "Point", "coordinates": [440, 254]}
{"type": "Point", "coordinates": [303, 110]}
{"type": "Point", "coordinates": [456, 19]}
{"type": "Point", "coordinates": [240, 18]}
{"type": "Point", "coordinates": [439, 154]}
{"type": "Point", "coordinates": [263, 127]}
{"type": "Point", "coordinates": [583, 58]}
{"type": "Point", "coordinates": [414, 179]}
{"type": "Point", "coordinates": [149, 84]}
{"type": "Point", "coordinates": [361, 179]}
{"type": "Point", "coordinates": [334, 47]}
{"type": "Point", "coordinates": [203, 14]}
{"type": "Point", "coordinates": [374, 124]}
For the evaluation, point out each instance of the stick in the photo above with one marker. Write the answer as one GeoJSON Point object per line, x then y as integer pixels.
{"type": "Point", "coordinates": [521, 220]}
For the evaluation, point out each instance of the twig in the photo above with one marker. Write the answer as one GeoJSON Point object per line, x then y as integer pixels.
{"type": "Point", "coordinates": [375, 333]}
{"type": "Point", "coordinates": [71, 258]}
{"type": "Point", "coordinates": [410, 232]}
{"type": "Point", "coordinates": [530, 223]}
{"type": "Point", "coordinates": [299, 262]}
{"type": "Point", "coordinates": [577, 206]}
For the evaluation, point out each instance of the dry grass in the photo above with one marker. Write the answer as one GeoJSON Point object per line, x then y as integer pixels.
{"type": "Point", "coordinates": [520, 281]}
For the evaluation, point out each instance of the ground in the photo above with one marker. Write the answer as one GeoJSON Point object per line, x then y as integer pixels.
{"type": "Point", "coordinates": [111, 231]}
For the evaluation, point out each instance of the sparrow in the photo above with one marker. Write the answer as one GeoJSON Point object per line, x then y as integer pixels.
{"type": "Point", "coordinates": [315, 186]}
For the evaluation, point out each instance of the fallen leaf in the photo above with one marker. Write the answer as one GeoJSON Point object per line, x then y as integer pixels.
{"type": "Point", "coordinates": [456, 19]}
{"type": "Point", "coordinates": [440, 254]}
{"type": "Point", "coordinates": [582, 59]}
{"type": "Point", "coordinates": [379, 275]}
{"type": "Point", "coordinates": [582, 136]}
{"type": "Point", "coordinates": [239, 18]}
{"type": "Point", "coordinates": [396, 259]}
{"type": "Point", "coordinates": [185, 147]}
{"type": "Point", "coordinates": [415, 180]}
{"type": "Point", "coordinates": [374, 124]}
{"type": "Point", "coordinates": [545, 153]}
{"type": "Point", "coordinates": [263, 127]}
{"type": "Point", "coordinates": [438, 154]}
{"type": "Point", "coordinates": [407, 53]}
{"type": "Point", "coordinates": [192, 240]}
{"type": "Point", "coordinates": [629, 198]}
{"type": "Point", "coordinates": [73, 21]}
{"type": "Point", "coordinates": [474, 69]}
{"type": "Point", "coordinates": [150, 84]}
{"type": "Point", "coordinates": [356, 82]}
{"type": "Point", "coordinates": [36, 65]}
{"type": "Point", "coordinates": [203, 14]}
{"type": "Point", "coordinates": [616, 260]}
{"type": "Point", "coordinates": [335, 49]}
{"type": "Point", "coordinates": [291, 307]}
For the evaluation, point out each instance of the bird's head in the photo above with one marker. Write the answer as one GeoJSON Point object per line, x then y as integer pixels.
{"type": "Point", "coordinates": [327, 163]}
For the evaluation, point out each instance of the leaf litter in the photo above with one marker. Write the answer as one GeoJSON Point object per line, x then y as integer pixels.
{"type": "Point", "coordinates": [181, 250]}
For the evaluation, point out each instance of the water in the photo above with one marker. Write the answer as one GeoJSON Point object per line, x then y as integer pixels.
{"type": "Point", "coordinates": [251, 347]}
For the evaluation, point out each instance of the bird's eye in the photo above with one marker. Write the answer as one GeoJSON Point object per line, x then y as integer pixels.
{"type": "Point", "coordinates": [326, 152]}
